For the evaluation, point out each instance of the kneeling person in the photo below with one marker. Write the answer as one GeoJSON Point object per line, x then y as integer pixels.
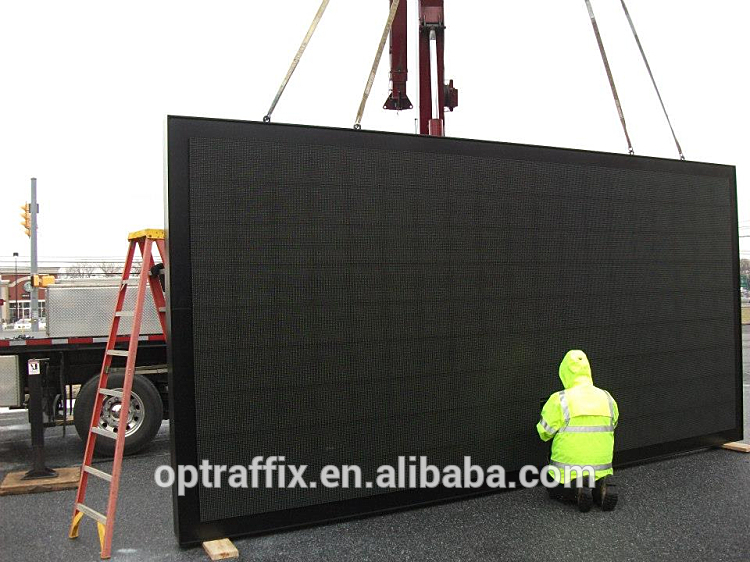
{"type": "Point", "coordinates": [581, 421]}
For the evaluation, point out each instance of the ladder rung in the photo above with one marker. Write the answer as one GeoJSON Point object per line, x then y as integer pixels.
{"type": "Point", "coordinates": [118, 352]}
{"type": "Point", "coordinates": [104, 432]}
{"type": "Point", "coordinates": [125, 313]}
{"type": "Point", "coordinates": [98, 473]}
{"type": "Point", "coordinates": [86, 510]}
{"type": "Point", "coordinates": [111, 392]}
{"type": "Point", "coordinates": [162, 309]}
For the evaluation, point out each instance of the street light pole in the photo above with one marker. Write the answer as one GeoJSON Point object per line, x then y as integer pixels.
{"type": "Point", "coordinates": [15, 311]}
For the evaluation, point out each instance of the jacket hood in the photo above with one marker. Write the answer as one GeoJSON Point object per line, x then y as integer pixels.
{"type": "Point", "coordinates": [575, 369]}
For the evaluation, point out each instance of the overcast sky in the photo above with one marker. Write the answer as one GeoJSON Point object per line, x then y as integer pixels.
{"type": "Point", "coordinates": [87, 86]}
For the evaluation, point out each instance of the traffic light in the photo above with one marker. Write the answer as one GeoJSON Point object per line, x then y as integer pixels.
{"type": "Point", "coordinates": [42, 280]}
{"type": "Point", "coordinates": [26, 216]}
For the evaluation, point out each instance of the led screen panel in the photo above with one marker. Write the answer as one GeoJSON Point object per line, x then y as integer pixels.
{"type": "Point", "coordinates": [348, 297]}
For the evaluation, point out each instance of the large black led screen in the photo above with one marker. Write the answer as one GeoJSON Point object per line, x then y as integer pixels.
{"type": "Point", "coordinates": [347, 297]}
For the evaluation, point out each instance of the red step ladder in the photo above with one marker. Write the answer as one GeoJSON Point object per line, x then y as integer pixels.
{"type": "Point", "coordinates": [144, 240]}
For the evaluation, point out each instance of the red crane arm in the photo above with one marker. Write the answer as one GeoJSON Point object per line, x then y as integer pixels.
{"type": "Point", "coordinates": [397, 99]}
{"type": "Point", "coordinates": [434, 94]}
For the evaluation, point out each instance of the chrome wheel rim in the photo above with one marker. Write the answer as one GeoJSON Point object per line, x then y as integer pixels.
{"type": "Point", "coordinates": [111, 409]}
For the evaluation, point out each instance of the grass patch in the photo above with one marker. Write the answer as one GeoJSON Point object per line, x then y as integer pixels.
{"type": "Point", "coordinates": [746, 314]}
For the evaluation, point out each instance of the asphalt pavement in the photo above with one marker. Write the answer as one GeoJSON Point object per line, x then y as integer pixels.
{"type": "Point", "coordinates": [692, 507]}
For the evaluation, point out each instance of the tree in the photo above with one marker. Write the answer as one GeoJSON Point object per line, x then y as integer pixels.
{"type": "Point", "coordinates": [110, 268]}
{"type": "Point", "coordinates": [80, 270]}
{"type": "Point", "coordinates": [85, 270]}
{"type": "Point", "coordinates": [745, 267]}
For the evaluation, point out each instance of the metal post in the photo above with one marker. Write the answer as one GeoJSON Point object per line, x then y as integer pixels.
{"type": "Point", "coordinates": [39, 469]}
{"type": "Point", "coordinates": [34, 290]}
{"type": "Point", "coordinates": [15, 312]}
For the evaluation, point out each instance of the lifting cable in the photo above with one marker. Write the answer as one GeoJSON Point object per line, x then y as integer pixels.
{"type": "Point", "coordinates": [295, 62]}
{"type": "Point", "coordinates": [648, 67]}
{"type": "Point", "coordinates": [609, 75]}
{"type": "Point", "coordinates": [375, 63]}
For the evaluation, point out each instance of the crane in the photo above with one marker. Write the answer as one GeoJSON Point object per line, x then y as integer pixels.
{"type": "Point", "coordinates": [435, 96]}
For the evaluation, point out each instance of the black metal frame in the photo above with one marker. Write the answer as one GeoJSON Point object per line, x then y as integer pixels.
{"type": "Point", "coordinates": [188, 527]}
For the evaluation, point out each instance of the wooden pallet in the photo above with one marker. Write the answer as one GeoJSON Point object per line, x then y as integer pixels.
{"type": "Point", "coordinates": [66, 479]}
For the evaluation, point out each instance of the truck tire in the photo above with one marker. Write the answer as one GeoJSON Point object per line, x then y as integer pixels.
{"type": "Point", "coordinates": [144, 418]}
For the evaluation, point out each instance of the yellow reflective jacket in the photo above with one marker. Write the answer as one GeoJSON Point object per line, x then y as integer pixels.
{"type": "Point", "coordinates": [581, 419]}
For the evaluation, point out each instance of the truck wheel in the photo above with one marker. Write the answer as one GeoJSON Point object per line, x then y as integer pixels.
{"type": "Point", "coordinates": [144, 418]}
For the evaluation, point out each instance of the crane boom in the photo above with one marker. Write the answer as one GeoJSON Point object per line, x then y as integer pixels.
{"type": "Point", "coordinates": [434, 94]}
{"type": "Point", "coordinates": [397, 98]}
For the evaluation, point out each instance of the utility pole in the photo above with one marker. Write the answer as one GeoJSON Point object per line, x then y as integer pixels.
{"type": "Point", "coordinates": [15, 309]}
{"type": "Point", "coordinates": [34, 290]}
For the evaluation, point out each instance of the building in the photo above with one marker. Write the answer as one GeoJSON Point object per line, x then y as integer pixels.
{"type": "Point", "coordinates": [15, 293]}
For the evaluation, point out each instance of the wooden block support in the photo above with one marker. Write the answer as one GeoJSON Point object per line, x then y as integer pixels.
{"type": "Point", "coordinates": [220, 549]}
{"type": "Point", "coordinates": [67, 479]}
{"type": "Point", "coordinates": [737, 446]}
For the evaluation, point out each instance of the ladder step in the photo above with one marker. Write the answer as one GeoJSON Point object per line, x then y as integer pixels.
{"type": "Point", "coordinates": [118, 352]}
{"type": "Point", "coordinates": [104, 432]}
{"type": "Point", "coordinates": [125, 313]}
{"type": "Point", "coordinates": [98, 473]}
{"type": "Point", "coordinates": [162, 309]}
{"type": "Point", "coordinates": [86, 510]}
{"type": "Point", "coordinates": [111, 392]}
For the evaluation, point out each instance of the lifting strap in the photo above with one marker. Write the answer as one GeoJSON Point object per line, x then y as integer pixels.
{"type": "Point", "coordinates": [648, 67]}
{"type": "Point", "coordinates": [375, 63]}
{"type": "Point", "coordinates": [609, 75]}
{"type": "Point", "coordinates": [295, 62]}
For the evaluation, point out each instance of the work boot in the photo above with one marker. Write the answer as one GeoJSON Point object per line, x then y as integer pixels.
{"type": "Point", "coordinates": [563, 494]}
{"type": "Point", "coordinates": [585, 499]}
{"type": "Point", "coordinates": [605, 493]}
